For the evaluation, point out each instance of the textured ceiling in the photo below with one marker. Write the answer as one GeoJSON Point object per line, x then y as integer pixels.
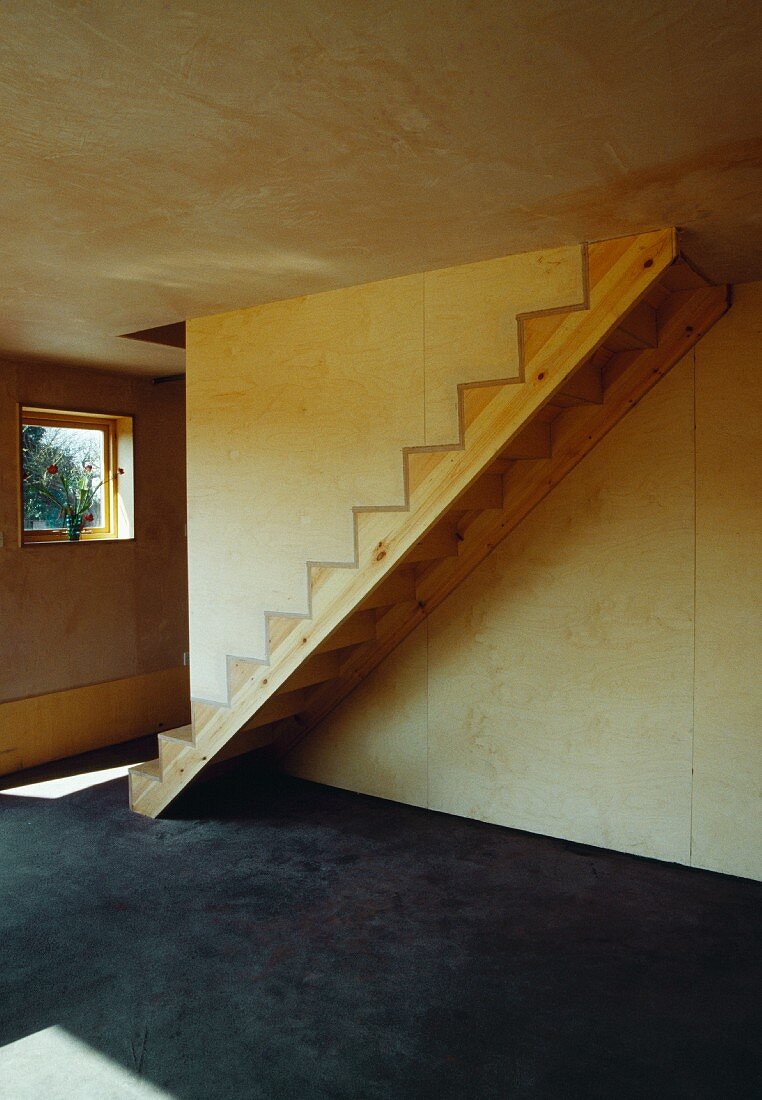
{"type": "Point", "coordinates": [164, 160]}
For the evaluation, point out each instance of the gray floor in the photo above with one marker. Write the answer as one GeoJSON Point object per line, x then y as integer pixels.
{"type": "Point", "coordinates": [276, 939]}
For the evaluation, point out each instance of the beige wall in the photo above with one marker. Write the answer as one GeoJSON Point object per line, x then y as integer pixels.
{"type": "Point", "coordinates": [727, 830]}
{"type": "Point", "coordinates": [555, 690]}
{"type": "Point", "coordinates": [95, 612]}
{"type": "Point", "coordinates": [299, 410]}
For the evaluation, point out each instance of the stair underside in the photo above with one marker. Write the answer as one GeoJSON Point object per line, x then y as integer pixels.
{"type": "Point", "coordinates": [582, 370]}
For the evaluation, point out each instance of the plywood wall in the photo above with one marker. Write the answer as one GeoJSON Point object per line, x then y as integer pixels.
{"type": "Point", "coordinates": [554, 691]}
{"type": "Point", "coordinates": [48, 727]}
{"type": "Point", "coordinates": [95, 612]}
{"type": "Point", "coordinates": [299, 410]}
{"type": "Point", "coordinates": [727, 825]}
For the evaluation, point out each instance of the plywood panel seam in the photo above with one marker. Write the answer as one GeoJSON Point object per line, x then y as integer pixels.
{"type": "Point", "coordinates": [425, 436]}
{"type": "Point", "coordinates": [428, 709]}
{"type": "Point", "coordinates": [693, 655]}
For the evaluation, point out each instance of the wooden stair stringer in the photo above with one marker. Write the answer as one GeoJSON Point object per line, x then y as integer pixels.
{"type": "Point", "coordinates": [554, 344]}
{"type": "Point", "coordinates": [630, 377]}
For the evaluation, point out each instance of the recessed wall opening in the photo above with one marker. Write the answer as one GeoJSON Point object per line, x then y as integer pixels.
{"type": "Point", "coordinates": [76, 476]}
{"type": "Point", "coordinates": [171, 336]}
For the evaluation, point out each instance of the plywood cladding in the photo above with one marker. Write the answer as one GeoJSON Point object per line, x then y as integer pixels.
{"type": "Point", "coordinates": [217, 155]}
{"type": "Point", "coordinates": [533, 693]}
{"type": "Point", "coordinates": [727, 800]}
{"type": "Point", "coordinates": [561, 694]}
{"type": "Point", "coordinates": [580, 370]}
{"type": "Point", "coordinates": [65, 723]}
{"type": "Point", "coordinates": [299, 410]}
{"type": "Point", "coordinates": [470, 324]}
{"type": "Point", "coordinates": [125, 611]}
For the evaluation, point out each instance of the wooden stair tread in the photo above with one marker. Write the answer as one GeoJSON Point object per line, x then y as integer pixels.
{"type": "Point", "coordinates": [584, 387]}
{"type": "Point", "coordinates": [533, 441]}
{"type": "Point", "coordinates": [182, 734]}
{"type": "Point", "coordinates": [316, 669]}
{"type": "Point", "coordinates": [360, 627]}
{"type": "Point", "coordinates": [638, 330]}
{"type": "Point", "coordinates": [150, 768]}
{"type": "Point", "coordinates": [485, 492]}
{"type": "Point", "coordinates": [441, 542]}
{"type": "Point", "coordinates": [283, 705]}
{"type": "Point", "coordinates": [398, 587]}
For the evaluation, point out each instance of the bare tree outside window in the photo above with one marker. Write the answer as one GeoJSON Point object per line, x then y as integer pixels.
{"type": "Point", "coordinates": [70, 449]}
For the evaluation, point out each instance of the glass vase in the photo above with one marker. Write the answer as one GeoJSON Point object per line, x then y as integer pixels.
{"type": "Point", "coordinates": [73, 528]}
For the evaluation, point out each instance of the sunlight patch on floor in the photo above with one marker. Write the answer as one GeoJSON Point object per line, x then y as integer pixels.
{"type": "Point", "coordinates": [53, 1065]}
{"type": "Point", "coordinates": [67, 784]}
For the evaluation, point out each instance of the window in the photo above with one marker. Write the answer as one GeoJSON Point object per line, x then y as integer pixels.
{"type": "Point", "coordinates": [75, 476]}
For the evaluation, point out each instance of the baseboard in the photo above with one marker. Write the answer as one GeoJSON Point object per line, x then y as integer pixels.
{"type": "Point", "coordinates": [64, 723]}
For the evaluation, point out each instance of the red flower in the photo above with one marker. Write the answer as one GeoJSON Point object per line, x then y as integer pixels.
{"type": "Point", "coordinates": [52, 469]}
{"type": "Point", "coordinates": [88, 518]}
{"type": "Point", "coordinates": [88, 467]}
{"type": "Point", "coordinates": [120, 470]}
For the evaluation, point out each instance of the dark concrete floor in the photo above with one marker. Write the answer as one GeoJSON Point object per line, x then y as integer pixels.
{"type": "Point", "coordinates": [274, 939]}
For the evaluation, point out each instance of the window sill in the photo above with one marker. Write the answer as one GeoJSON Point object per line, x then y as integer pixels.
{"type": "Point", "coordinates": [81, 542]}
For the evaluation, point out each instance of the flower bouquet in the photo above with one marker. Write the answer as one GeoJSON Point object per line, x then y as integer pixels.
{"type": "Point", "coordinates": [73, 495]}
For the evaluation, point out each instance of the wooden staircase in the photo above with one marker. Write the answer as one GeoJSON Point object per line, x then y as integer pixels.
{"type": "Point", "coordinates": [581, 372]}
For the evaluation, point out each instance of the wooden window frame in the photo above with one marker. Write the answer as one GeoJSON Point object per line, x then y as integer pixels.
{"type": "Point", "coordinates": [60, 418]}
